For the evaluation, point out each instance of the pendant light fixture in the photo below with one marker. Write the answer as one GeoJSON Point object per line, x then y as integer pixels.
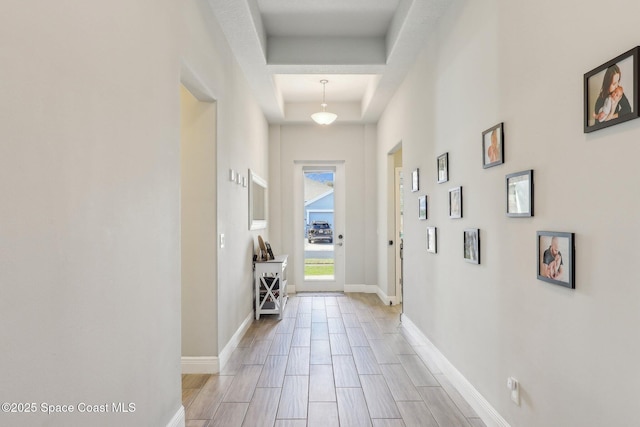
{"type": "Point", "coordinates": [324, 117]}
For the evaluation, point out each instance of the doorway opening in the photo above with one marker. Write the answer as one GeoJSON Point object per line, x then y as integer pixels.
{"type": "Point", "coordinates": [198, 231]}
{"type": "Point", "coordinates": [395, 224]}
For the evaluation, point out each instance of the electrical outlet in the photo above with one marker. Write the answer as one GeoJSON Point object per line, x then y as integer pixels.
{"type": "Point", "coordinates": [514, 386]}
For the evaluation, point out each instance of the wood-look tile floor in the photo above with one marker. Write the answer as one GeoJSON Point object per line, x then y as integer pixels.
{"type": "Point", "coordinates": [331, 361]}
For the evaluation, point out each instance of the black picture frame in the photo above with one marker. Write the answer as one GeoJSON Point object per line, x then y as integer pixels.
{"type": "Point", "coordinates": [422, 207]}
{"type": "Point", "coordinates": [519, 194]}
{"type": "Point", "coordinates": [471, 245]}
{"type": "Point", "coordinates": [455, 203]}
{"type": "Point", "coordinates": [628, 71]}
{"type": "Point", "coordinates": [269, 251]}
{"type": "Point", "coordinates": [562, 274]}
{"type": "Point", "coordinates": [415, 180]}
{"type": "Point", "coordinates": [493, 155]}
{"type": "Point", "coordinates": [432, 244]}
{"type": "Point", "coordinates": [442, 168]}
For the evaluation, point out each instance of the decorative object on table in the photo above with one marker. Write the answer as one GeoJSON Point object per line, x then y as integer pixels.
{"type": "Point", "coordinates": [556, 258]}
{"type": "Point", "coordinates": [422, 207]}
{"type": "Point", "coordinates": [432, 240]}
{"type": "Point", "coordinates": [443, 168]}
{"type": "Point", "coordinates": [324, 117]}
{"type": "Point", "coordinates": [455, 202]}
{"type": "Point", "coordinates": [520, 194]}
{"type": "Point", "coordinates": [472, 245]}
{"type": "Point", "coordinates": [611, 92]}
{"type": "Point", "coordinates": [415, 180]}
{"type": "Point", "coordinates": [493, 146]}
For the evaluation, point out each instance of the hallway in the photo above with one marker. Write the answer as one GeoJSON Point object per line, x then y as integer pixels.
{"type": "Point", "coordinates": [331, 361]}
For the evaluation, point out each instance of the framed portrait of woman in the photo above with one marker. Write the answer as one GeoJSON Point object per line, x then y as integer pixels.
{"type": "Point", "coordinates": [611, 92]}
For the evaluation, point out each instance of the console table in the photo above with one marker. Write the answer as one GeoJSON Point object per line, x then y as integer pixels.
{"type": "Point", "coordinates": [271, 286]}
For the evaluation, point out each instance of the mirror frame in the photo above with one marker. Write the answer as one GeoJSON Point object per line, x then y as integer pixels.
{"type": "Point", "coordinates": [257, 224]}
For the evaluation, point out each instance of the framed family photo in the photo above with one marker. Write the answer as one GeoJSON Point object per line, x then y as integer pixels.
{"type": "Point", "coordinates": [611, 92]}
{"type": "Point", "coordinates": [455, 202]}
{"type": "Point", "coordinates": [493, 146]}
{"type": "Point", "coordinates": [472, 245]}
{"type": "Point", "coordinates": [432, 240]}
{"type": "Point", "coordinates": [520, 194]}
{"type": "Point", "coordinates": [422, 207]}
{"type": "Point", "coordinates": [415, 180]}
{"type": "Point", "coordinates": [556, 258]}
{"type": "Point", "coordinates": [443, 168]}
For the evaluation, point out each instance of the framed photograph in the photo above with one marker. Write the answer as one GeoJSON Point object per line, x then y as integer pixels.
{"type": "Point", "coordinates": [493, 146]}
{"type": "Point", "coordinates": [520, 194]}
{"type": "Point", "coordinates": [422, 207]}
{"type": "Point", "coordinates": [472, 245]}
{"type": "Point", "coordinates": [443, 168]}
{"type": "Point", "coordinates": [556, 258]}
{"type": "Point", "coordinates": [455, 202]}
{"type": "Point", "coordinates": [415, 180]}
{"type": "Point", "coordinates": [432, 240]}
{"type": "Point", "coordinates": [611, 92]}
{"type": "Point", "coordinates": [269, 250]}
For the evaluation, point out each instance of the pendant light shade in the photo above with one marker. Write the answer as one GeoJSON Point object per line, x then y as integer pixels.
{"type": "Point", "coordinates": [324, 117]}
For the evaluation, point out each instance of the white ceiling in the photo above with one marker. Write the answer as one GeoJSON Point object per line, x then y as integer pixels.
{"type": "Point", "coordinates": [307, 87]}
{"type": "Point", "coordinates": [363, 47]}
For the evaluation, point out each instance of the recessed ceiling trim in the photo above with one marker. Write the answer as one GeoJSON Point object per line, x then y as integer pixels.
{"type": "Point", "coordinates": [391, 56]}
{"type": "Point", "coordinates": [326, 50]}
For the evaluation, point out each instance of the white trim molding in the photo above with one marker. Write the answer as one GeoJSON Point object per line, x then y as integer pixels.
{"type": "Point", "coordinates": [178, 419]}
{"type": "Point", "coordinates": [483, 408]}
{"type": "Point", "coordinates": [213, 364]}
{"type": "Point", "coordinates": [359, 288]}
{"type": "Point", "coordinates": [225, 354]}
{"type": "Point", "coordinates": [200, 365]}
{"type": "Point", "coordinates": [371, 289]}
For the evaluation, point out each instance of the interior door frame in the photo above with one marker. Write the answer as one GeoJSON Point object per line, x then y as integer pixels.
{"type": "Point", "coordinates": [336, 285]}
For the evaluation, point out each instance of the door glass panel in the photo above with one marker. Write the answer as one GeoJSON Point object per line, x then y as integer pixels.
{"type": "Point", "coordinates": [319, 203]}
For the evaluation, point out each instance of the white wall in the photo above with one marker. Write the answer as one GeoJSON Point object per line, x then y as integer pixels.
{"type": "Point", "coordinates": [90, 211]}
{"type": "Point", "coordinates": [241, 144]}
{"type": "Point", "coordinates": [573, 351]}
{"type": "Point", "coordinates": [355, 144]}
{"type": "Point", "coordinates": [89, 217]}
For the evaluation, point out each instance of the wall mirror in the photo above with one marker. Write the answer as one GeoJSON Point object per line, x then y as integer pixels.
{"type": "Point", "coordinates": [257, 202]}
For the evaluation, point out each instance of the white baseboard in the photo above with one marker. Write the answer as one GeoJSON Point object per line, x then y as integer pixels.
{"type": "Point", "coordinates": [371, 289]}
{"type": "Point", "coordinates": [212, 364]}
{"type": "Point", "coordinates": [483, 408]}
{"type": "Point", "coordinates": [359, 288]}
{"type": "Point", "coordinates": [200, 365]}
{"type": "Point", "coordinates": [178, 419]}
{"type": "Point", "coordinates": [225, 354]}
{"type": "Point", "coordinates": [386, 299]}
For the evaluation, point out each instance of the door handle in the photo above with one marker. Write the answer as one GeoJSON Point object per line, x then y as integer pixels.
{"type": "Point", "coordinates": [339, 243]}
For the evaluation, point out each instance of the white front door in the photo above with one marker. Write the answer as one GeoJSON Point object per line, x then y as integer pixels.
{"type": "Point", "coordinates": [318, 227]}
